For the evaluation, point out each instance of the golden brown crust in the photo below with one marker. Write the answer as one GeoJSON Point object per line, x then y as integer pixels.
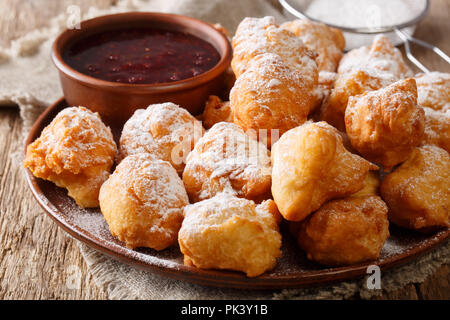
{"type": "Point", "coordinates": [437, 128]}
{"type": "Point", "coordinates": [75, 151]}
{"type": "Point", "coordinates": [166, 131]}
{"type": "Point", "coordinates": [328, 43]}
{"type": "Point", "coordinates": [360, 70]}
{"type": "Point", "coordinates": [269, 206]}
{"type": "Point", "coordinates": [326, 83]}
{"type": "Point", "coordinates": [310, 167]}
{"type": "Point", "coordinates": [143, 202]}
{"type": "Point", "coordinates": [433, 90]}
{"type": "Point", "coordinates": [222, 29]}
{"type": "Point", "coordinates": [346, 231]}
{"type": "Point", "coordinates": [346, 86]}
{"type": "Point", "coordinates": [270, 95]}
{"type": "Point", "coordinates": [418, 191]}
{"type": "Point", "coordinates": [227, 159]}
{"type": "Point", "coordinates": [226, 232]}
{"type": "Point", "coordinates": [386, 125]}
{"type": "Point", "coordinates": [371, 188]}
{"type": "Point", "coordinates": [346, 142]}
{"type": "Point", "coordinates": [216, 111]}
{"type": "Point", "coordinates": [255, 36]}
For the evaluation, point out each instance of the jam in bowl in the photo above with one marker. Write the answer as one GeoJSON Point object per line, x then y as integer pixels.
{"type": "Point", "coordinates": [144, 56]}
{"type": "Point", "coordinates": [118, 63]}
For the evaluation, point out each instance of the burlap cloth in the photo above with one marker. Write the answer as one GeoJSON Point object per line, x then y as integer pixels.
{"type": "Point", "coordinates": [29, 80]}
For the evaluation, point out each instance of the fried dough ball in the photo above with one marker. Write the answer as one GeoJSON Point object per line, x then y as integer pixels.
{"type": "Point", "coordinates": [226, 232]}
{"type": "Point", "coordinates": [270, 95]}
{"type": "Point", "coordinates": [165, 130]}
{"type": "Point", "coordinates": [143, 202]}
{"type": "Point", "coordinates": [229, 75]}
{"type": "Point", "coordinates": [229, 80]}
{"type": "Point", "coordinates": [226, 159]}
{"type": "Point", "coordinates": [346, 86]}
{"type": "Point", "coordinates": [371, 188]}
{"type": "Point", "coordinates": [345, 231]}
{"type": "Point", "coordinates": [216, 111]}
{"type": "Point", "coordinates": [360, 70]}
{"type": "Point", "coordinates": [371, 185]}
{"type": "Point", "coordinates": [418, 191]}
{"type": "Point", "coordinates": [437, 128]}
{"type": "Point", "coordinates": [222, 29]}
{"type": "Point", "coordinates": [255, 36]}
{"type": "Point", "coordinates": [312, 166]}
{"type": "Point", "coordinates": [269, 206]}
{"type": "Point", "coordinates": [385, 126]}
{"type": "Point", "coordinates": [328, 43]}
{"type": "Point", "coordinates": [346, 142]}
{"type": "Point", "coordinates": [433, 90]}
{"type": "Point", "coordinates": [75, 151]}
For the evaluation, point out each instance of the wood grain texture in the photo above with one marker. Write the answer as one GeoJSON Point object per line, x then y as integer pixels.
{"type": "Point", "coordinates": [40, 261]}
{"type": "Point", "coordinates": [37, 259]}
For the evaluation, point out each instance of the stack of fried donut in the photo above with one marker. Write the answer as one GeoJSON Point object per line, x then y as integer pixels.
{"type": "Point", "coordinates": [338, 145]}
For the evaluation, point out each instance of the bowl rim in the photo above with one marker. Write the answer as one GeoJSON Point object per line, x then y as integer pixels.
{"type": "Point", "coordinates": [70, 34]}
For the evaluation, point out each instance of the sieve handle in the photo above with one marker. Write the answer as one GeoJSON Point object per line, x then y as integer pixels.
{"type": "Point", "coordinates": [406, 38]}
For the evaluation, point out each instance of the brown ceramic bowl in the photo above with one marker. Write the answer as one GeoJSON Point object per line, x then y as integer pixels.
{"type": "Point", "coordinates": [116, 102]}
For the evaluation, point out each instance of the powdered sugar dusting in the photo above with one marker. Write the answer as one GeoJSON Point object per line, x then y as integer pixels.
{"type": "Point", "coordinates": [365, 13]}
{"type": "Point", "coordinates": [159, 130]}
{"type": "Point", "coordinates": [389, 102]}
{"type": "Point", "coordinates": [327, 42]}
{"type": "Point", "coordinates": [155, 185]}
{"type": "Point", "coordinates": [223, 155]}
{"type": "Point", "coordinates": [91, 224]}
{"type": "Point", "coordinates": [433, 90]}
{"type": "Point", "coordinates": [256, 36]}
{"type": "Point", "coordinates": [381, 60]}
{"type": "Point", "coordinates": [270, 65]}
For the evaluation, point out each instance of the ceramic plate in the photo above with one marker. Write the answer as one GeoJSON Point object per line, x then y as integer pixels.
{"type": "Point", "coordinates": [293, 269]}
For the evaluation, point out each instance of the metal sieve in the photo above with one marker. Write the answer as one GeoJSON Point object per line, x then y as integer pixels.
{"type": "Point", "coordinates": [403, 30]}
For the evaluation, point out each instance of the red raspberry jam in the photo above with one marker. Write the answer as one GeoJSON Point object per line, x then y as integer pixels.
{"type": "Point", "coordinates": [141, 56]}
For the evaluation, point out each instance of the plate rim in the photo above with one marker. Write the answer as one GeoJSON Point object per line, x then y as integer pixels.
{"type": "Point", "coordinates": [219, 278]}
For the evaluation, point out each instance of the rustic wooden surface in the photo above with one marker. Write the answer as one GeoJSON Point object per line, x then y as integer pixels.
{"type": "Point", "coordinates": [40, 261]}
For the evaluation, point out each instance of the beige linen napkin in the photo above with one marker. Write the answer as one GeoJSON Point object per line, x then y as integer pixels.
{"type": "Point", "coordinates": [29, 80]}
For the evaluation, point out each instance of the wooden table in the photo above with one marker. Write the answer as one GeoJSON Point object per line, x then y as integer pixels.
{"type": "Point", "coordinates": [40, 261]}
